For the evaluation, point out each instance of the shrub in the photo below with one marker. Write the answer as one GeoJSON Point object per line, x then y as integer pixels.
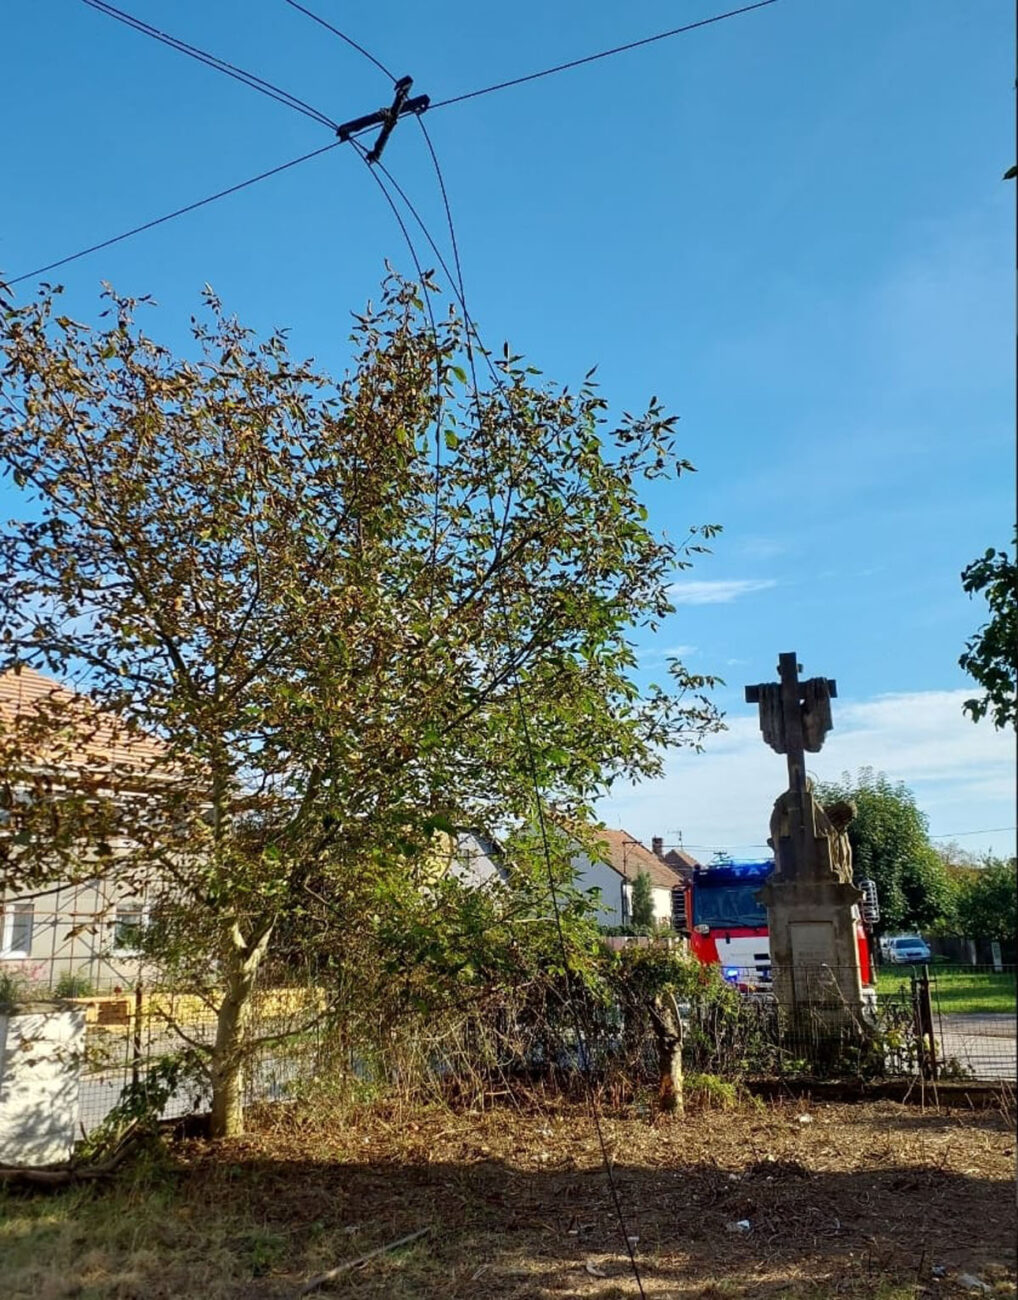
{"type": "Point", "coordinates": [73, 986]}
{"type": "Point", "coordinates": [708, 1092]}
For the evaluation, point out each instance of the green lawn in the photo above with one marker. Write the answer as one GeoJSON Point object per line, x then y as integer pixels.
{"type": "Point", "coordinates": [957, 990]}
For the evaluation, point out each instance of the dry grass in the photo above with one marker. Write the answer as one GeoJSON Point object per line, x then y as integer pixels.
{"type": "Point", "coordinates": [861, 1201]}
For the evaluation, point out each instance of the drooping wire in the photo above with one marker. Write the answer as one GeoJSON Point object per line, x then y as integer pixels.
{"type": "Point", "coordinates": [459, 289]}
{"type": "Point", "coordinates": [583, 1052]}
{"type": "Point", "coordinates": [602, 54]}
{"type": "Point", "coordinates": [284, 97]}
{"type": "Point", "coordinates": [213, 61]}
{"type": "Point", "coordinates": [439, 374]}
{"type": "Point", "coordinates": [179, 212]}
{"type": "Point", "coordinates": [582, 1046]}
{"type": "Point", "coordinates": [343, 37]}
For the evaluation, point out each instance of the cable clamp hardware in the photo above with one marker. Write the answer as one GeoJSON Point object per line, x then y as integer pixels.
{"type": "Point", "coordinates": [386, 118]}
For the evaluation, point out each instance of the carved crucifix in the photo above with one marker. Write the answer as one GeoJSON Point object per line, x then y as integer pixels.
{"type": "Point", "coordinates": [794, 716]}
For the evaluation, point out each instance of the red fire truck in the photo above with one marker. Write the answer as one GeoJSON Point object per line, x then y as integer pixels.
{"type": "Point", "coordinates": [727, 924]}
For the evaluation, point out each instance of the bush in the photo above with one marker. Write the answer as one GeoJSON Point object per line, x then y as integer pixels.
{"type": "Point", "coordinates": [73, 986]}
{"type": "Point", "coordinates": [12, 990]}
{"type": "Point", "coordinates": [708, 1092]}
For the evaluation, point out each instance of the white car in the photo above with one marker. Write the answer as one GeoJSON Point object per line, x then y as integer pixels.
{"type": "Point", "coordinates": [908, 948]}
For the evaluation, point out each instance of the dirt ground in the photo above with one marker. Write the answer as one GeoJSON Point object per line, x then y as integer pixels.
{"type": "Point", "coordinates": [866, 1200]}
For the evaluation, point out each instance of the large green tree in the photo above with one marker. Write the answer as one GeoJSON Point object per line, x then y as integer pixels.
{"type": "Point", "coordinates": [987, 902]}
{"type": "Point", "coordinates": [991, 655]}
{"type": "Point", "coordinates": [890, 845]}
{"type": "Point", "coordinates": [352, 612]}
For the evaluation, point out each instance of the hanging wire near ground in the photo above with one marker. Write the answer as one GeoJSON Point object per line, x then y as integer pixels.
{"type": "Point", "coordinates": [582, 1044]}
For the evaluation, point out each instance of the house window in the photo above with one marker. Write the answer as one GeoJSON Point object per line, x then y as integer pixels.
{"type": "Point", "coordinates": [128, 926]}
{"type": "Point", "coordinates": [16, 929]}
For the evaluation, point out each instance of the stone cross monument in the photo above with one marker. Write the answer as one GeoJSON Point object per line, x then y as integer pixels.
{"type": "Point", "coordinates": [812, 905]}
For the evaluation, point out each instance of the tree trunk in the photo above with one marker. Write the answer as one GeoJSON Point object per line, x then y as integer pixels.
{"type": "Point", "coordinates": [668, 1032]}
{"type": "Point", "coordinates": [227, 1097]}
{"type": "Point", "coordinates": [228, 1054]}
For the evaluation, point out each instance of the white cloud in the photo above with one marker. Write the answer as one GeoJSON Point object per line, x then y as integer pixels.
{"type": "Point", "coordinates": [652, 653]}
{"type": "Point", "coordinates": [962, 775]}
{"type": "Point", "coordinates": [761, 548]}
{"type": "Point", "coordinates": [719, 592]}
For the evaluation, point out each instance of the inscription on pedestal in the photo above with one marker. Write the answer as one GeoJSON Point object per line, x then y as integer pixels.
{"type": "Point", "coordinates": [813, 943]}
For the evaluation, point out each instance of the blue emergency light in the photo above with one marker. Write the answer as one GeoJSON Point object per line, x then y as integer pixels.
{"type": "Point", "coordinates": [730, 873]}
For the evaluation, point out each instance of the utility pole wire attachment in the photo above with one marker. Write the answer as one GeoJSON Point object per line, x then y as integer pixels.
{"type": "Point", "coordinates": [386, 118]}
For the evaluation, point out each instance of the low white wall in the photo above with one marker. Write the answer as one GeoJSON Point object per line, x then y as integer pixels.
{"type": "Point", "coordinates": [40, 1070]}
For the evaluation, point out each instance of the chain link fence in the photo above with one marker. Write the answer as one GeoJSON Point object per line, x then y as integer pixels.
{"type": "Point", "coordinates": [952, 1024]}
{"type": "Point", "coordinates": [941, 1022]}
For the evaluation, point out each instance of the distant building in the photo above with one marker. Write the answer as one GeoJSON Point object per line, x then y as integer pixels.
{"type": "Point", "coordinates": [611, 867]}
{"type": "Point", "coordinates": [681, 862]}
{"type": "Point", "coordinates": [87, 931]}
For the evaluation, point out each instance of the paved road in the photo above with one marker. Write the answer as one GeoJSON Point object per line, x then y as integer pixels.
{"type": "Point", "coordinates": [986, 1045]}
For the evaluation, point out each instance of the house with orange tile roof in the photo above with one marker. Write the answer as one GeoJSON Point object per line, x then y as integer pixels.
{"type": "Point", "coordinates": [69, 934]}
{"type": "Point", "coordinates": [88, 931]}
{"type": "Point", "coordinates": [611, 865]}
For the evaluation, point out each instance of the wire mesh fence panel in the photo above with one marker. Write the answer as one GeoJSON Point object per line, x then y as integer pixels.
{"type": "Point", "coordinates": [974, 1010]}
{"type": "Point", "coordinates": [959, 1025]}
{"type": "Point", "coordinates": [81, 948]}
{"type": "Point", "coordinates": [130, 1039]}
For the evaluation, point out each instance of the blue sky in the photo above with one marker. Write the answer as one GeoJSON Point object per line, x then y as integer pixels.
{"type": "Point", "coordinates": [790, 226]}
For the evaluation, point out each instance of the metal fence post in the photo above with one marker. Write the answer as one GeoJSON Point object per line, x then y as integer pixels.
{"type": "Point", "coordinates": [136, 1036]}
{"type": "Point", "coordinates": [917, 1020]}
{"type": "Point", "coordinates": [929, 1040]}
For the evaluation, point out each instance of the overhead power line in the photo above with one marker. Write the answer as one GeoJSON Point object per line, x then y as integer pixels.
{"type": "Point", "coordinates": [990, 830]}
{"type": "Point", "coordinates": [179, 212]}
{"type": "Point", "coordinates": [343, 37]}
{"type": "Point", "coordinates": [603, 54]}
{"type": "Point", "coordinates": [721, 848]}
{"type": "Point", "coordinates": [213, 61]}
{"type": "Point", "coordinates": [291, 101]}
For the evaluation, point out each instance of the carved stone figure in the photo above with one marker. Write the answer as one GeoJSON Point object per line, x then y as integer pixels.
{"type": "Point", "coordinates": [832, 824]}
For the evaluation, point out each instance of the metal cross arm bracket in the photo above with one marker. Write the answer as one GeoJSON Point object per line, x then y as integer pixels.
{"type": "Point", "coordinates": [386, 118]}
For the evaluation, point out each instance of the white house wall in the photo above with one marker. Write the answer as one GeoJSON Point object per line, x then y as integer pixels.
{"type": "Point", "coordinates": [662, 904]}
{"type": "Point", "coordinates": [473, 864]}
{"type": "Point", "coordinates": [589, 875]}
{"type": "Point", "coordinates": [73, 934]}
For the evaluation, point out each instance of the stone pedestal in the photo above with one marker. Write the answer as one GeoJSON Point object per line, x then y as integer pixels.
{"type": "Point", "coordinates": [812, 907]}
